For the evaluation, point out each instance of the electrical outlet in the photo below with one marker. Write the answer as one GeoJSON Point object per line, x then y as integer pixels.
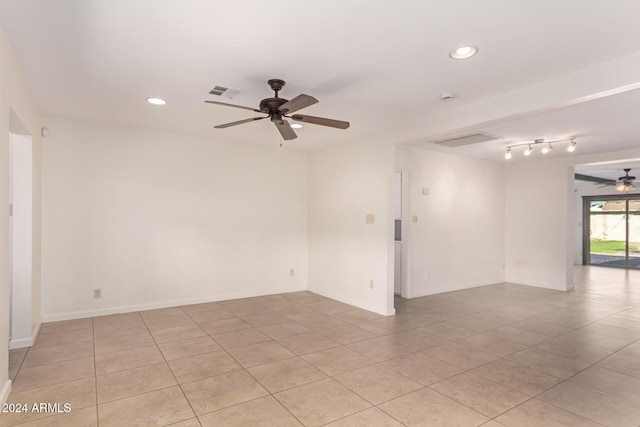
{"type": "Point", "coordinates": [292, 272]}
{"type": "Point", "coordinates": [414, 219]}
{"type": "Point", "coordinates": [97, 293]}
{"type": "Point", "coordinates": [371, 284]}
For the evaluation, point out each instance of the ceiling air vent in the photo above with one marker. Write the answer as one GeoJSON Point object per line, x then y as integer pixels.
{"type": "Point", "coordinates": [224, 92]}
{"type": "Point", "coordinates": [464, 140]}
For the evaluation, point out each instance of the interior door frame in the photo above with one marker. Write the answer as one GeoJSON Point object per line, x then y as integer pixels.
{"type": "Point", "coordinates": [586, 225]}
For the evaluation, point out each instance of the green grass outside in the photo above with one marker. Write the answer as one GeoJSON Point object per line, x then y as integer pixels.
{"type": "Point", "coordinates": [609, 246]}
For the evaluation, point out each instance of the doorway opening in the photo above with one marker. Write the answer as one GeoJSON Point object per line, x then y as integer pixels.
{"type": "Point", "coordinates": [611, 235]}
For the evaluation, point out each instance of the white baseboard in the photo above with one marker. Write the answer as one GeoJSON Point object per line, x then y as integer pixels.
{"type": "Point", "coordinates": [456, 287]}
{"type": "Point", "coordinates": [4, 393]}
{"type": "Point", "coordinates": [353, 303]}
{"type": "Point", "coordinates": [25, 342]}
{"type": "Point", "coordinates": [163, 304]}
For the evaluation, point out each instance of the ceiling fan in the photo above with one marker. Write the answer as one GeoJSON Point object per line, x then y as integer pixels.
{"type": "Point", "coordinates": [624, 183]}
{"type": "Point", "coordinates": [276, 109]}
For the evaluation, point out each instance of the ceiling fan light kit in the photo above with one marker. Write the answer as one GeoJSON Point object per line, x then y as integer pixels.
{"type": "Point", "coordinates": [277, 109]}
{"type": "Point", "coordinates": [547, 146]}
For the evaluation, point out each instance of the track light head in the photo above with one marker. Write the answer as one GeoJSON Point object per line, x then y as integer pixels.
{"type": "Point", "coordinates": [528, 151]}
{"type": "Point", "coordinates": [507, 154]}
{"type": "Point", "coordinates": [572, 146]}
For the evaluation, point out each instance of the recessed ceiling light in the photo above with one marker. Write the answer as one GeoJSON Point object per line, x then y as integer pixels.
{"type": "Point", "coordinates": [156, 101]}
{"type": "Point", "coordinates": [296, 125]}
{"type": "Point", "coordinates": [463, 52]}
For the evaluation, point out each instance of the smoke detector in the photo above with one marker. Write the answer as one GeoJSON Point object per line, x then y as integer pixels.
{"type": "Point", "coordinates": [444, 97]}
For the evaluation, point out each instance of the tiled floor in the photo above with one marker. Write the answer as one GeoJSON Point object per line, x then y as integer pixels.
{"type": "Point", "coordinates": [497, 355]}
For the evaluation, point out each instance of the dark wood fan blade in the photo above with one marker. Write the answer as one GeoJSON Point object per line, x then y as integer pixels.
{"type": "Point", "coordinates": [285, 130]}
{"type": "Point", "coordinates": [297, 103]}
{"type": "Point", "coordinates": [239, 122]}
{"type": "Point", "coordinates": [234, 106]}
{"type": "Point", "coordinates": [321, 121]}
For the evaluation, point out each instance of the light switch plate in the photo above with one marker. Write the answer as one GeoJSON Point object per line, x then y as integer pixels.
{"type": "Point", "coordinates": [370, 219]}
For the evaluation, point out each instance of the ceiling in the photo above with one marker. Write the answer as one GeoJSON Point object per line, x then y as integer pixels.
{"type": "Point", "coordinates": [374, 64]}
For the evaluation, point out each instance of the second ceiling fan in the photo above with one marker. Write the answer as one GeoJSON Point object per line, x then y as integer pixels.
{"type": "Point", "coordinates": [277, 109]}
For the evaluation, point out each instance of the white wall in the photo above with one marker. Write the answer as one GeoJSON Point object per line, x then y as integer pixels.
{"type": "Point", "coordinates": [346, 183]}
{"type": "Point", "coordinates": [21, 195]}
{"type": "Point", "coordinates": [458, 239]}
{"type": "Point", "coordinates": [539, 210]}
{"type": "Point", "coordinates": [16, 101]}
{"type": "Point", "coordinates": [156, 219]}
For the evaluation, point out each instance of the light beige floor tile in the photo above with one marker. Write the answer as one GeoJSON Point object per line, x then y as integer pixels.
{"type": "Point", "coordinates": [381, 349]}
{"type": "Point", "coordinates": [578, 352]}
{"type": "Point", "coordinates": [474, 323]}
{"type": "Point", "coordinates": [264, 319]}
{"type": "Point", "coordinates": [377, 383]}
{"type": "Point", "coordinates": [127, 359]}
{"type": "Point", "coordinates": [459, 355]}
{"type": "Point", "coordinates": [86, 417]}
{"type": "Point", "coordinates": [205, 306]}
{"type": "Point", "coordinates": [491, 344]}
{"type": "Point", "coordinates": [259, 354]}
{"type": "Point", "coordinates": [161, 313]}
{"type": "Point", "coordinates": [447, 331]}
{"type": "Point", "coordinates": [441, 314]}
{"type": "Point", "coordinates": [319, 323]}
{"type": "Point", "coordinates": [123, 342]}
{"type": "Point", "coordinates": [337, 360]}
{"type": "Point", "coordinates": [307, 343]}
{"type": "Point", "coordinates": [384, 326]}
{"type": "Point", "coordinates": [55, 373]}
{"type": "Point", "coordinates": [549, 363]}
{"type": "Point", "coordinates": [417, 340]}
{"type": "Point", "coordinates": [38, 356]}
{"type": "Point", "coordinates": [210, 315]}
{"type": "Point", "coordinates": [263, 412]}
{"type": "Point", "coordinates": [321, 402]}
{"type": "Point", "coordinates": [422, 368]}
{"type": "Point", "coordinates": [367, 418]}
{"type": "Point", "coordinates": [518, 377]}
{"type": "Point", "coordinates": [480, 394]}
{"type": "Point", "coordinates": [536, 413]}
{"type": "Point", "coordinates": [220, 326]}
{"type": "Point", "coordinates": [621, 322]}
{"type": "Point", "coordinates": [283, 330]}
{"type": "Point", "coordinates": [66, 325]}
{"type": "Point", "coordinates": [286, 374]}
{"type": "Point", "coordinates": [518, 336]}
{"type": "Point", "coordinates": [540, 327]}
{"type": "Point", "coordinates": [347, 334]}
{"type": "Point", "coordinates": [157, 408]}
{"type": "Point", "coordinates": [61, 338]}
{"type": "Point", "coordinates": [189, 347]}
{"type": "Point", "coordinates": [193, 422]}
{"type": "Point", "coordinates": [201, 366]}
{"type": "Point", "coordinates": [426, 407]}
{"type": "Point", "coordinates": [214, 393]}
{"type": "Point", "coordinates": [244, 307]}
{"type": "Point", "coordinates": [177, 333]}
{"type": "Point", "coordinates": [300, 312]}
{"type": "Point", "coordinates": [80, 394]}
{"type": "Point", "coordinates": [240, 338]}
{"type": "Point", "coordinates": [620, 363]}
{"type": "Point", "coordinates": [592, 404]}
{"type": "Point", "coordinates": [117, 326]}
{"type": "Point", "coordinates": [156, 323]}
{"type": "Point", "coordinates": [610, 382]}
{"type": "Point", "coordinates": [127, 383]}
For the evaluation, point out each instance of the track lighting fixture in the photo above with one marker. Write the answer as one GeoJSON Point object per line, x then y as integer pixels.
{"type": "Point", "coordinates": [528, 151]}
{"type": "Point", "coordinates": [546, 148]}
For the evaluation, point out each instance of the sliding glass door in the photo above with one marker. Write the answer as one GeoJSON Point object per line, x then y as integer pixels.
{"type": "Point", "coordinates": [612, 231]}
